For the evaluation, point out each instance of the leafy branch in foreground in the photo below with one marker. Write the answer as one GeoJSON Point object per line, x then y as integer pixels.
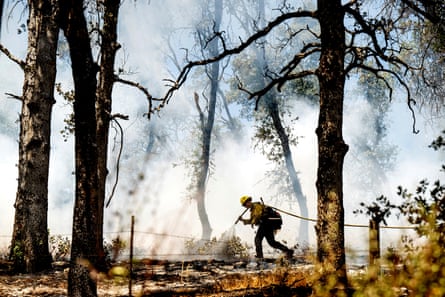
{"type": "Point", "coordinates": [419, 268]}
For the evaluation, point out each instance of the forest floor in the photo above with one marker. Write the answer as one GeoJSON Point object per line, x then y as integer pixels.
{"type": "Point", "coordinates": [171, 278]}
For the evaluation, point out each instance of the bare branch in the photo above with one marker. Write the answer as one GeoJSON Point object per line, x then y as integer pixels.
{"type": "Point", "coordinates": [293, 76]}
{"type": "Point", "coordinates": [216, 36]}
{"type": "Point", "coordinates": [299, 57]}
{"type": "Point", "coordinates": [119, 116]}
{"type": "Point", "coordinates": [409, 99]}
{"type": "Point", "coordinates": [20, 98]}
{"type": "Point", "coordinates": [121, 132]}
{"type": "Point", "coordinates": [182, 77]}
{"type": "Point", "coordinates": [278, 82]}
{"type": "Point", "coordinates": [19, 62]}
{"type": "Point", "coordinates": [382, 56]}
{"type": "Point", "coordinates": [292, 35]}
{"type": "Point", "coordinates": [370, 30]}
{"type": "Point", "coordinates": [143, 90]}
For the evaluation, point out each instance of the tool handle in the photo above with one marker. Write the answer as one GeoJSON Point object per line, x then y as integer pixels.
{"type": "Point", "coordinates": [237, 220]}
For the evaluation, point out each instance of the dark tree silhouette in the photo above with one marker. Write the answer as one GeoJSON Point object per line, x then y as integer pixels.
{"type": "Point", "coordinates": [29, 245]}
{"type": "Point", "coordinates": [85, 236]}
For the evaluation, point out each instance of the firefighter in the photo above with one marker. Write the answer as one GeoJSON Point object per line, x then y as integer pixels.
{"type": "Point", "coordinates": [266, 226]}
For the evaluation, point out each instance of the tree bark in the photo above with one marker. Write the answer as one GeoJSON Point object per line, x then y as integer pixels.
{"type": "Point", "coordinates": [109, 46]}
{"type": "Point", "coordinates": [331, 146]}
{"type": "Point", "coordinates": [1, 13]}
{"type": "Point", "coordinates": [207, 128]}
{"type": "Point", "coordinates": [29, 246]}
{"type": "Point", "coordinates": [85, 244]}
{"type": "Point", "coordinates": [303, 234]}
{"type": "Point", "coordinates": [274, 113]}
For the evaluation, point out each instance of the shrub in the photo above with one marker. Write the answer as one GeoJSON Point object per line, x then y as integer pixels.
{"type": "Point", "coordinates": [228, 247]}
{"type": "Point", "coordinates": [418, 269]}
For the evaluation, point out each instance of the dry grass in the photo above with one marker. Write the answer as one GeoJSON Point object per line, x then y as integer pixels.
{"type": "Point", "coordinates": [156, 278]}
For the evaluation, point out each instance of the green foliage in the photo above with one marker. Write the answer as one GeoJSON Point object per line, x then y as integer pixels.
{"type": "Point", "coordinates": [419, 268]}
{"type": "Point", "coordinates": [426, 207]}
{"type": "Point", "coordinates": [427, 212]}
{"type": "Point", "coordinates": [69, 121]}
{"type": "Point", "coordinates": [415, 271]}
{"type": "Point", "coordinates": [378, 210]}
{"type": "Point", "coordinates": [18, 255]}
{"type": "Point", "coordinates": [434, 29]}
{"type": "Point", "coordinates": [266, 138]}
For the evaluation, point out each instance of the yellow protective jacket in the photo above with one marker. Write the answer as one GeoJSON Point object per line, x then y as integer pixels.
{"type": "Point", "coordinates": [256, 213]}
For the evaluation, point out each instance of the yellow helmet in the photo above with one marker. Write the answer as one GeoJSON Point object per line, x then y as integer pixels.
{"type": "Point", "coordinates": [244, 199]}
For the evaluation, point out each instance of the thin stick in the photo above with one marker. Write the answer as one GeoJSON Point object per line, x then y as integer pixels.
{"type": "Point", "coordinates": [131, 255]}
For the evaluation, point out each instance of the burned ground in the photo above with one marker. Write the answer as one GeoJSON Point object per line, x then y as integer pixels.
{"type": "Point", "coordinates": [170, 278]}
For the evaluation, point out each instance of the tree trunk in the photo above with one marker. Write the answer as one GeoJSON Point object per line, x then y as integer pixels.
{"type": "Point", "coordinates": [207, 127]}
{"type": "Point", "coordinates": [274, 113]}
{"type": "Point", "coordinates": [85, 245]}
{"type": "Point", "coordinates": [205, 157]}
{"type": "Point", "coordinates": [303, 234]}
{"type": "Point", "coordinates": [109, 46]}
{"type": "Point", "coordinates": [230, 121]}
{"type": "Point", "coordinates": [29, 246]}
{"type": "Point", "coordinates": [1, 13]}
{"type": "Point", "coordinates": [331, 146]}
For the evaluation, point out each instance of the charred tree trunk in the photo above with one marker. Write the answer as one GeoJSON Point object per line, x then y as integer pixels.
{"type": "Point", "coordinates": [331, 146]}
{"type": "Point", "coordinates": [86, 244]}
{"type": "Point", "coordinates": [109, 46]}
{"type": "Point", "coordinates": [29, 246]}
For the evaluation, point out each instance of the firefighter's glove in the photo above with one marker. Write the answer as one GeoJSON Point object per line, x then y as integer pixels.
{"type": "Point", "coordinates": [245, 221]}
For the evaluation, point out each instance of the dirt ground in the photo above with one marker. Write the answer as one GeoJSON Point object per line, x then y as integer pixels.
{"type": "Point", "coordinates": [166, 278]}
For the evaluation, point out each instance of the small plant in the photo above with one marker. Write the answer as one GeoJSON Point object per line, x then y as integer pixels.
{"type": "Point", "coordinates": [17, 255]}
{"type": "Point", "coordinates": [60, 247]}
{"type": "Point", "coordinates": [234, 248]}
{"type": "Point", "coordinates": [226, 247]}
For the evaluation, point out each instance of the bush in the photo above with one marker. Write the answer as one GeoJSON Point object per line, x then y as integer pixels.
{"type": "Point", "coordinates": [227, 247]}
{"type": "Point", "coordinates": [418, 269]}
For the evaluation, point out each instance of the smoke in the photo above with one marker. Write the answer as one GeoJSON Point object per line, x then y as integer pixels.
{"type": "Point", "coordinates": [152, 186]}
{"type": "Point", "coordinates": [8, 175]}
